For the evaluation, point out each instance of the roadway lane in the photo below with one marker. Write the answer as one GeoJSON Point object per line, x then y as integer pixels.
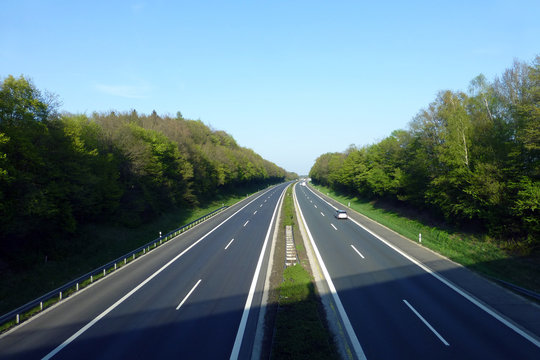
{"type": "Point", "coordinates": [396, 308]}
{"type": "Point", "coordinates": [184, 299]}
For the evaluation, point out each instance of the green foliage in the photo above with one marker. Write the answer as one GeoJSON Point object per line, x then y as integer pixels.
{"type": "Point", "coordinates": [473, 159]}
{"type": "Point", "coordinates": [58, 172]}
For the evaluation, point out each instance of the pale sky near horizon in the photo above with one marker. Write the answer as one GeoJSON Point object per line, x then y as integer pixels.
{"type": "Point", "coordinates": [289, 79]}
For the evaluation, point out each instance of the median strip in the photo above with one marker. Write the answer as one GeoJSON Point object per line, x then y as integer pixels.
{"type": "Point", "coordinates": [300, 330]}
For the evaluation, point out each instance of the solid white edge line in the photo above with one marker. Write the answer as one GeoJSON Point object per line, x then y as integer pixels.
{"type": "Point", "coordinates": [359, 253]}
{"type": "Point", "coordinates": [426, 323]}
{"type": "Point", "coordinates": [472, 299]}
{"type": "Point", "coordinates": [243, 322]}
{"type": "Point", "coordinates": [335, 228]}
{"type": "Point", "coordinates": [113, 306]}
{"type": "Point", "coordinates": [189, 293]}
{"type": "Point", "coordinates": [230, 242]}
{"type": "Point", "coordinates": [346, 322]}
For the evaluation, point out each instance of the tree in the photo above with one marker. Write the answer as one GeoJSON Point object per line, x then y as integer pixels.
{"type": "Point", "coordinates": [473, 159]}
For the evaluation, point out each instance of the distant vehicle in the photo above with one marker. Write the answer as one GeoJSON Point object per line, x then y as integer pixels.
{"type": "Point", "coordinates": [341, 214]}
{"type": "Point", "coordinates": [303, 183]}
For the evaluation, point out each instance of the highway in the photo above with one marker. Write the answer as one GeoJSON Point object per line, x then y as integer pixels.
{"type": "Point", "coordinates": [398, 308]}
{"type": "Point", "coordinates": [196, 297]}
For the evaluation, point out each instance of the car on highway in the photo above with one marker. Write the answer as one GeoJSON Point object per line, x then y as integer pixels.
{"type": "Point", "coordinates": [341, 214]}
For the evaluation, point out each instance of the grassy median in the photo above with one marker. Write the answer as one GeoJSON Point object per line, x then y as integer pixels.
{"type": "Point", "coordinates": [300, 326]}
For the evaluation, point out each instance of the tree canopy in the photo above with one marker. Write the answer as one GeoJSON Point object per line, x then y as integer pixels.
{"type": "Point", "coordinates": [58, 171]}
{"type": "Point", "coordinates": [469, 157]}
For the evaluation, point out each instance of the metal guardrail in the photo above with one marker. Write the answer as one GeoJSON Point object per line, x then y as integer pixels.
{"type": "Point", "coordinates": [526, 292]}
{"type": "Point", "coordinates": [26, 311]}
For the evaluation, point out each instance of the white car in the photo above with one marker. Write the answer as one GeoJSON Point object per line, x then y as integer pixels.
{"type": "Point", "coordinates": [341, 214]}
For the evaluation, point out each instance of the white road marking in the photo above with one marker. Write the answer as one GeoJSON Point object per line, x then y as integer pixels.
{"type": "Point", "coordinates": [315, 206]}
{"type": "Point", "coordinates": [261, 205]}
{"type": "Point", "coordinates": [255, 212]}
{"type": "Point", "coordinates": [243, 322]}
{"type": "Point", "coordinates": [246, 223]}
{"type": "Point", "coordinates": [359, 253]}
{"type": "Point", "coordinates": [322, 213]}
{"type": "Point", "coordinates": [359, 352]}
{"type": "Point", "coordinates": [134, 290]}
{"type": "Point", "coordinates": [472, 299]}
{"type": "Point", "coordinates": [189, 293]}
{"type": "Point", "coordinates": [426, 323]}
{"type": "Point", "coordinates": [335, 228]}
{"type": "Point", "coordinates": [230, 242]}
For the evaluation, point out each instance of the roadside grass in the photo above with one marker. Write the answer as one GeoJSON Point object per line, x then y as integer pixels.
{"type": "Point", "coordinates": [300, 330]}
{"type": "Point", "coordinates": [93, 246]}
{"type": "Point", "coordinates": [475, 251]}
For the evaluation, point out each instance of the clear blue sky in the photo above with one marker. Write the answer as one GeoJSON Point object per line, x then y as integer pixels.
{"type": "Point", "coordinates": [289, 79]}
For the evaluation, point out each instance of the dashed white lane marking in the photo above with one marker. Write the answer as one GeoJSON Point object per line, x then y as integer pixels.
{"type": "Point", "coordinates": [230, 242]}
{"type": "Point", "coordinates": [448, 283]}
{"type": "Point", "coordinates": [255, 212]}
{"type": "Point", "coordinates": [134, 290]}
{"type": "Point", "coordinates": [426, 323]}
{"type": "Point", "coordinates": [322, 213]}
{"type": "Point", "coordinates": [246, 223]}
{"type": "Point", "coordinates": [358, 252]}
{"type": "Point", "coordinates": [189, 293]}
{"type": "Point", "coordinates": [335, 228]}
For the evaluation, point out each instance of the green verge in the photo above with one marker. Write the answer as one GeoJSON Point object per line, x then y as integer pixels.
{"type": "Point", "coordinates": [476, 252]}
{"type": "Point", "coordinates": [300, 332]}
{"type": "Point", "coordinates": [92, 247]}
{"type": "Point", "coordinates": [300, 327]}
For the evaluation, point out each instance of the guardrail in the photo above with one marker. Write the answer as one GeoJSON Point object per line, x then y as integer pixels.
{"type": "Point", "coordinates": [525, 292]}
{"type": "Point", "coordinates": [35, 306]}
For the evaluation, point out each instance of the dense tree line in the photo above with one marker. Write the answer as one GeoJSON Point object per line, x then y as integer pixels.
{"type": "Point", "coordinates": [58, 171]}
{"type": "Point", "coordinates": [469, 157]}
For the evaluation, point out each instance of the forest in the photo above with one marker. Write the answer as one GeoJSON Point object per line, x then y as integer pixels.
{"type": "Point", "coordinates": [471, 159]}
{"type": "Point", "coordinates": [59, 170]}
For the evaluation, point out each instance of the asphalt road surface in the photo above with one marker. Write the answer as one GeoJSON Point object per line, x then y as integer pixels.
{"type": "Point", "coordinates": [195, 297]}
{"type": "Point", "coordinates": [400, 309]}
